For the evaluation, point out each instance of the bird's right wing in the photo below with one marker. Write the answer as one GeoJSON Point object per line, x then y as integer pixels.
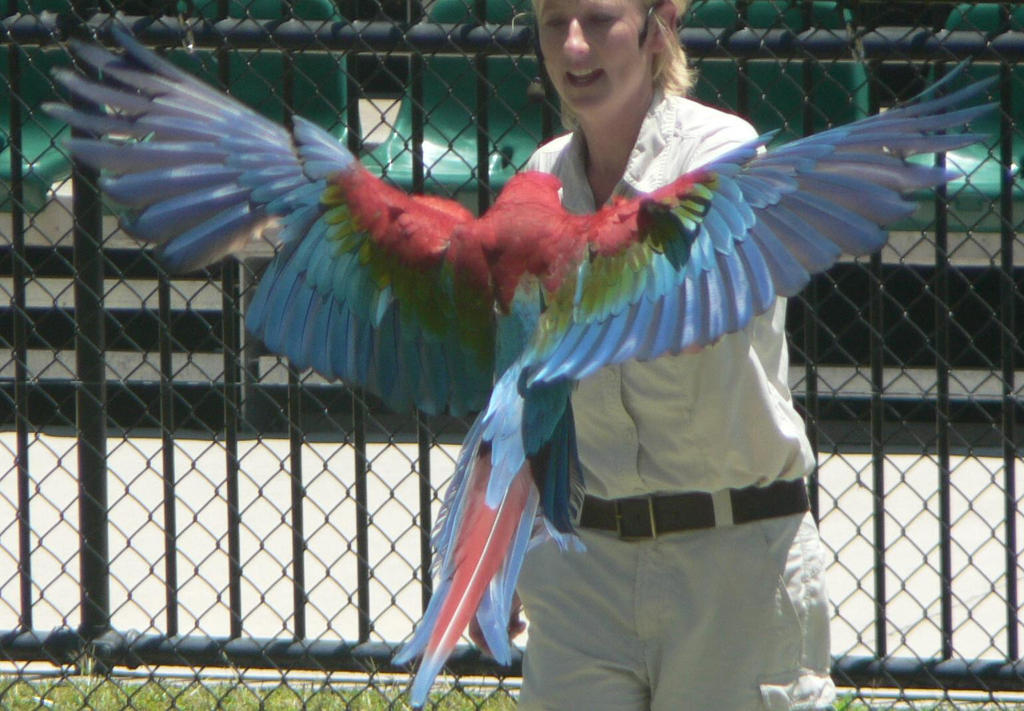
{"type": "Point", "coordinates": [680, 268]}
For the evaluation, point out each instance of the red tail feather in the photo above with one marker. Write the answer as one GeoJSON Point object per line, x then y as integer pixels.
{"type": "Point", "coordinates": [483, 539]}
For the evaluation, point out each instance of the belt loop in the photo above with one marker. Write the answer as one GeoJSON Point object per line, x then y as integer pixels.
{"type": "Point", "coordinates": [721, 500]}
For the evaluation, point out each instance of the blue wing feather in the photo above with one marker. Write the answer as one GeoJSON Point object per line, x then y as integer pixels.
{"type": "Point", "coordinates": [137, 190]}
{"type": "Point", "coordinates": [167, 219]}
{"type": "Point", "coordinates": [814, 252]}
{"type": "Point", "coordinates": [788, 275]}
{"type": "Point", "coordinates": [636, 338]}
{"type": "Point", "coordinates": [762, 291]}
{"type": "Point", "coordinates": [738, 300]}
{"type": "Point", "coordinates": [692, 327]}
{"type": "Point", "coordinates": [318, 326]}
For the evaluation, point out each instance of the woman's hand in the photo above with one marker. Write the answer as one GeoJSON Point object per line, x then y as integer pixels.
{"type": "Point", "coordinates": [516, 626]}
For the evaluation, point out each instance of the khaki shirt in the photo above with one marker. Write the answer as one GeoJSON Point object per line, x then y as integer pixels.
{"type": "Point", "coordinates": [716, 419]}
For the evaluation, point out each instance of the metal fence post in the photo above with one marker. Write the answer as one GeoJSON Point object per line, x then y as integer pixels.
{"type": "Point", "coordinates": [1008, 347]}
{"type": "Point", "coordinates": [362, 468]}
{"type": "Point", "coordinates": [90, 394]}
{"type": "Point", "coordinates": [942, 414]}
{"type": "Point", "coordinates": [426, 522]}
{"type": "Point", "coordinates": [19, 276]}
{"type": "Point", "coordinates": [298, 496]}
{"type": "Point", "coordinates": [167, 457]}
{"type": "Point", "coordinates": [877, 420]}
{"type": "Point", "coordinates": [90, 404]}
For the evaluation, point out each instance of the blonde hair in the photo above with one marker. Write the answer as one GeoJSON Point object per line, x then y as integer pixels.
{"type": "Point", "coordinates": [671, 72]}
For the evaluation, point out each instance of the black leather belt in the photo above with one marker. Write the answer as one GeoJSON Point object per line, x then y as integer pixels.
{"type": "Point", "coordinates": [650, 516]}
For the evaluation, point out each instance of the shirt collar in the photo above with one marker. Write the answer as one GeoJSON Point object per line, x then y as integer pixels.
{"type": "Point", "coordinates": [643, 170]}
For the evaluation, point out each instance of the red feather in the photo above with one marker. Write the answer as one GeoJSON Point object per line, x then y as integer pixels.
{"type": "Point", "coordinates": [479, 550]}
{"type": "Point", "coordinates": [526, 232]}
{"type": "Point", "coordinates": [414, 229]}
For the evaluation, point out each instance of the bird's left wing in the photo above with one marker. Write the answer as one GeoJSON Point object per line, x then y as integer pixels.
{"type": "Point", "coordinates": [678, 269]}
{"type": "Point", "coordinates": [361, 289]}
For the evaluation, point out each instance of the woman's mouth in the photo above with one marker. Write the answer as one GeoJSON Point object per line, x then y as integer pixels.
{"type": "Point", "coordinates": [581, 79]}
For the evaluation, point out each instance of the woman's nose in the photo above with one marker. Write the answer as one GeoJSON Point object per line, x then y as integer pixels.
{"type": "Point", "coordinates": [575, 39]}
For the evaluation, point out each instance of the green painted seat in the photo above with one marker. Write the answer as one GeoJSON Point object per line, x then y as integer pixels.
{"type": "Point", "coordinates": [43, 162]}
{"type": "Point", "coordinates": [450, 90]}
{"type": "Point", "coordinates": [257, 77]}
{"type": "Point", "coordinates": [974, 199]}
{"type": "Point", "coordinates": [775, 92]}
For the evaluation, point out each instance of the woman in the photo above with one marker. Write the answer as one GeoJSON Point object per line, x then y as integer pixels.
{"type": "Point", "coordinates": [710, 593]}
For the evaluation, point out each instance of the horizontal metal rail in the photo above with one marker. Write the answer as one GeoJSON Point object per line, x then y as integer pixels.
{"type": "Point", "coordinates": [880, 43]}
{"type": "Point", "coordinates": [125, 650]}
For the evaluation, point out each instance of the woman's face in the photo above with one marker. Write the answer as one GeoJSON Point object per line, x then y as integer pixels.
{"type": "Point", "coordinates": [592, 53]}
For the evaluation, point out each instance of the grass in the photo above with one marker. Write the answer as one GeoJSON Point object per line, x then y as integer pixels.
{"type": "Point", "coordinates": [98, 694]}
{"type": "Point", "coordinates": [853, 703]}
{"type": "Point", "coordinates": [159, 695]}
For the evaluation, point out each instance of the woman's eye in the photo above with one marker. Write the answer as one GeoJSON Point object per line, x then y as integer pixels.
{"type": "Point", "coordinates": [600, 21]}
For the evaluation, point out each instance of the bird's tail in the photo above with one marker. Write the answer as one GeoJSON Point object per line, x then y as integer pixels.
{"type": "Point", "coordinates": [486, 540]}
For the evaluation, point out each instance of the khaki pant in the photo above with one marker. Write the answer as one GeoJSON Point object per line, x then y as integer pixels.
{"type": "Point", "coordinates": [726, 619]}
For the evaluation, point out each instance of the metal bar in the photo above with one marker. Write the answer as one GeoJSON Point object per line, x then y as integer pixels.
{"type": "Point", "coordinates": [992, 675]}
{"type": "Point", "coordinates": [298, 496]}
{"type": "Point", "coordinates": [167, 454]}
{"type": "Point", "coordinates": [426, 524]}
{"type": "Point", "coordinates": [810, 299]}
{"type": "Point", "coordinates": [232, 350]}
{"type": "Point", "coordinates": [90, 395]}
{"type": "Point", "coordinates": [811, 400]}
{"type": "Point", "coordinates": [232, 345]}
{"type": "Point", "coordinates": [882, 43]}
{"type": "Point", "coordinates": [354, 135]}
{"type": "Point", "coordinates": [483, 142]}
{"type": "Point", "coordinates": [942, 412]}
{"type": "Point", "coordinates": [295, 433]}
{"type": "Point", "coordinates": [326, 655]}
{"type": "Point", "coordinates": [878, 451]}
{"type": "Point", "coordinates": [19, 276]}
{"type": "Point", "coordinates": [115, 648]}
{"type": "Point", "coordinates": [1008, 346]}
{"type": "Point", "coordinates": [416, 69]}
{"type": "Point", "coordinates": [362, 515]}
{"type": "Point", "coordinates": [90, 403]}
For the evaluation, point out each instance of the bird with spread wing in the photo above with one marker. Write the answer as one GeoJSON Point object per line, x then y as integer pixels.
{"type": "Point", "coordinates": [425, 306]}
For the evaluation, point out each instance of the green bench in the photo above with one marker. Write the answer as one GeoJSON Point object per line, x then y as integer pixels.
{"type": "Point", "coordinates": [449, 104]}
{"type": "Point", "coordinates": [255, 77]}
{"type": "Point", "coordinates": [775, 92]}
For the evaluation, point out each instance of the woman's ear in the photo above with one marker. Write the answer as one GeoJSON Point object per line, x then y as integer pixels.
{"type": "Point", "coordinates": [665, 14]}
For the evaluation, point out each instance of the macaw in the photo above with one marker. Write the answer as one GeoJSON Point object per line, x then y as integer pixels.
{"type": "Point", "coordinates": [423, 305]}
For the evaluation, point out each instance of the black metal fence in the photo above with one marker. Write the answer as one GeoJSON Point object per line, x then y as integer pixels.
{"type": "Point", "coordinates": [173, 497]}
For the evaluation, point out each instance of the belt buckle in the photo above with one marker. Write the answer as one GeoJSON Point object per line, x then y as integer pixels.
{"type": "Point", "coordinates": [630, 532]}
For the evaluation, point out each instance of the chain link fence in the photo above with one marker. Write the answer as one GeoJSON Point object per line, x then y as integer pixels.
{"type": "Point", "coordinates": [186, 521]}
